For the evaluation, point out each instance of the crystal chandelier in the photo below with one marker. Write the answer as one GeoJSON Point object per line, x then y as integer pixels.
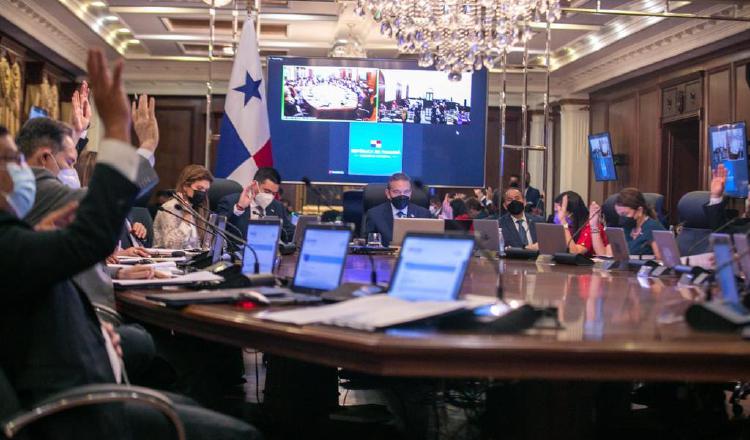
{"type": "Point", "coordinates": [458, 36]}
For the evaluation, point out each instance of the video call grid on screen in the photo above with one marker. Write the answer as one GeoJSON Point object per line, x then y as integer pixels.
{"type": "Point", "coordinates": [359, 121]}
{"type": "Point", "coordinates": [728, 145]}
{"type": "Point", "coordinates": [602, 157]}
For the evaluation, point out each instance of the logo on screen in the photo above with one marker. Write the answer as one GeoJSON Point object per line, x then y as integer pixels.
{"type": "Point", "coordinates": [376, 144]}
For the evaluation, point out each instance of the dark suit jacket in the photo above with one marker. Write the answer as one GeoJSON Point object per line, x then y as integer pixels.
{"type": "Point", "coordinates": [532, 197]}
{"type": "Point", "coordinates": [380, 219]}
{"type": "Point", "coordinates": [275, 209]}
{"type": "Point", "coordinates": [50, 338]}
{"type": "Point", "coordinates": [510, 233]}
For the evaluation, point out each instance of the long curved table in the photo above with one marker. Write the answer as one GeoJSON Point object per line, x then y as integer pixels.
{"type": "Point", "coordinates": [614, 327]}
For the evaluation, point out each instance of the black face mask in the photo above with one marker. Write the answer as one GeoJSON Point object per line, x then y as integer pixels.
{"type": "Point", "coordinates": [400, 202]}
{"type": "Point", "coordinates": [198, 198]}
{"type": "Point", "coordinates": [627, 222]}
{"type": "Point", "coordinates": [514, 184]}
{"type": "Point", "coordinates": [515, 207]}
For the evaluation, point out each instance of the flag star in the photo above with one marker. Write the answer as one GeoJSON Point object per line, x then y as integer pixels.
{"type": "Point", "coordinates": [251, 88]}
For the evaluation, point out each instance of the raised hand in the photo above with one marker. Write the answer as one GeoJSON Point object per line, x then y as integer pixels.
{"type": "Point", "coordinates": [246, 198]}
{"type": "Point", "coordinates": [595, 212]}
{"type": "Point", "coordinates": [144, 122]}
{"type": "Point", "coordinates": [80, 115]}
{"type": "Point", "coordinates": [719, 181]}
{"type": "Point", "coordinates": [562, 213]}
{"type": "Point", "coordinates": [109, 95]}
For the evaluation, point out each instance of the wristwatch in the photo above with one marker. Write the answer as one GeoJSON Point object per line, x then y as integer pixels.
{"type": "Point", "coordinates": [565, 225]}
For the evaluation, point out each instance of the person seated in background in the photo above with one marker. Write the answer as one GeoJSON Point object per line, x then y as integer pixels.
{"type": "Point", "coordinates": [458, 208]}
{"type": "Point", "coordinates": [176, 228]}
{"type": "Point", "coordinates": [380, 218]}
{"type": "Point", "coordinates": [436, 207]}
{"type": "Point", "coordinates": [638, 219]}
{"type": "Point", "coordinates": [582, 232]}
{"type": "Point", "coordinates": [518, 227]}
{"type": "Point", "coordinates": [257, 200]}
{"type": "Point", "coordinates": [475, 209]}
{"type": "Point", "coordinates": [484, 195]}
{"type": "Point", "coordinates": [50, 339]}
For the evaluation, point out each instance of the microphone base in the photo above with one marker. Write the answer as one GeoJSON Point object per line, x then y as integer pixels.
{"type": "Point", "coordinates": [521, 254]}
{"type": "Point", "coordinates": [717, 316]}
{"type": "Point", "coordinates": [572, 259]}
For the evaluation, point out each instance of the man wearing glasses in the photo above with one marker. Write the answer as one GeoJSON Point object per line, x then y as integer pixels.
{"type": "Point", "coordinates": [398, 193]}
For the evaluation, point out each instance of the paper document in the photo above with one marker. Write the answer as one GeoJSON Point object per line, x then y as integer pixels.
{"type": "Point", "coordinates": [702, 260]}
{"type": "Point", "coordinates": [193, 277]}
{"type": "Point", "coordinates": [367, 313]}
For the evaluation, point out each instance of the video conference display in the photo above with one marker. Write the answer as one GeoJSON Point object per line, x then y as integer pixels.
{"type": "Point", "coordinates": [358, 121]}
{"type": "Point", "coordinates": [728, 145]}
{"type": "Point", "coordinates": [600, 148]}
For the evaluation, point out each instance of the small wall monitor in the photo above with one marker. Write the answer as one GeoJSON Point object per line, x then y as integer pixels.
{"type": "Point", "coordinates": [600, 148]}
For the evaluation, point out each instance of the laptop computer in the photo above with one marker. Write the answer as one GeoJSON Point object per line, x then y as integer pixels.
{"type": "Point", "coordinates": [431, 267]}
{"type": "Point", "coordinates": [402, 226]}
{"type": "Point", "coordinates": [743, 253]}
{"type": "Point", "coordinates": [263, 236]}
{"type": "Point", "coordinates": [217, 248]}
{"type": "Point", "coordinates": [667, 245]}
{"type": "Point", "coordinates": [487, 232]}
{"type": "Point", "coordinates": [551, 238]}
{"type": "Point", "coordinates": [731, 305]}
{"type": "Point", "coordinates": [299, 229]}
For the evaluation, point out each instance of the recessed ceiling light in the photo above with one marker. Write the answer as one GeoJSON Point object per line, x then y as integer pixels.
{"type": "Point", "coordinates": [97, 4]}
{"type": "Point", "coordinates": [134, 41]}
{"type": "Point", "coordinates": [111, 18]}
{"type": "Point", "coordinates": [217, 3]}
{"type": "Point", "coordinates": [123, 30]}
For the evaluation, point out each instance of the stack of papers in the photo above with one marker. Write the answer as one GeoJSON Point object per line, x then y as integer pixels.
{"type": "Point", "coordinates": [368, 313]}
{"type": "Point", "coordinates": [193, 277]}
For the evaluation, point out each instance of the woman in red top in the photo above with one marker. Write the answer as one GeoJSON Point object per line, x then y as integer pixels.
{"type": "Point", "coordinates": [582, 230]}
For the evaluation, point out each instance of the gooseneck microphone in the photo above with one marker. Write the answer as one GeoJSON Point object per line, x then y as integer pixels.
{"type": "Point", "coordinates": [229, 237]}
{"type": "Point", "coordinates": [318, 193]}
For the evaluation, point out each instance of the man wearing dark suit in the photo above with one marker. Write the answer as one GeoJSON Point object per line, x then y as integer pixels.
{"type": "Point", "coordinates": [256, 201]}
{"type": "Point", "coordinates": [532, 196]}
{"type": "Point", "coordinates": [50, 336]}
{"type": "Point", "coordinates": [380, 218]}
{"type": "Point", "coordinates": [519, 229]}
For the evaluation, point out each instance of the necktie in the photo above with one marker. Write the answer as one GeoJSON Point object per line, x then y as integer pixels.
{"type": "Point", "coordinates": [522, 233]}
{"type": "Point", "coordinates": [259, 212]}
{"type": "Point", "coordinates": [400, 214]}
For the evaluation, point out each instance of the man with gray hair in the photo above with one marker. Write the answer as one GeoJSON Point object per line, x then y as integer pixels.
{"type": "Point", "coordinates": [398, 192]}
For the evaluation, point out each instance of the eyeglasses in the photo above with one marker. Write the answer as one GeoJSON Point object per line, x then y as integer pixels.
{"type": "Point", "coordinates": [17, 158]}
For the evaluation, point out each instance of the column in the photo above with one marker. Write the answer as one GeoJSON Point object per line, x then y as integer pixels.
{"type": "Point", "coordinates": [535, 165]}
{"type": "Point", "coordinates": [574, 157]}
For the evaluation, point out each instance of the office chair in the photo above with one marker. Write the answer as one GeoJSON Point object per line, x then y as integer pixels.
{"type": "Point", "coordinates": [221, 188]}
{"type": "Point", "coordinates": [353, 203]}
{"type": "Point", "coordinates": [692, 239]}
{"type": "Point", "coordinates": [14, 418]}
{"type": "Point", "coordinates": [656, 201]}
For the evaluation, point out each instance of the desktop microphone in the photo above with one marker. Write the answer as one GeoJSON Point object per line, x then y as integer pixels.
{"type": "Point", "coordinates": [230, 238]}
{"type": "Point", "coordinates": [318, 192]}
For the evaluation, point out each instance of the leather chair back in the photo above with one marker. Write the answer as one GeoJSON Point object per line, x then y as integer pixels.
{"type": "Point", "coordinates": [221, 188]}
{"type": "Point", "coordinates": [353, 205]}
{"type": "Point", "coordinates": [693, 239]}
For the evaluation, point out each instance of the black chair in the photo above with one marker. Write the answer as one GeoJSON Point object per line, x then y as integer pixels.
{"type": "Point", "coordinates": [143, 216]}
{"type": "Point", "coordinates": [656, 201]}
{"type": "Point", "coordinates": [221, 188]}
{"type": "Point", "coordinates": [14, 418]}
{"type": "Point", "coordinates": [610, 215]}
{"type": "Point", "coordinates": [693, 236]}
{"type": "Point", "coordinates": [353, 205]}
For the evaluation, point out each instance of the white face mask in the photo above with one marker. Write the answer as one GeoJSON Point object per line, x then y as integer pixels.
{"type": "Point", "coordinates": [69, 177]}
{"type": "Point", "coordinates": [21, 199]}
{"type": "Point", "coordinates": [264, 199]}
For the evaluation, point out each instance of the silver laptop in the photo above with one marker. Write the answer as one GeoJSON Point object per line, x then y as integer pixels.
{"type": "Point", "coordinates": [263, 236]}
{"type": "Point", "coordinates": [551, 238]}
{"type": "Point", "coordinates": [299, 230]}
{"type": "Point", "coordinates": [488, 234]}
{"type": "Point", "coordinates": [403, 225]}
{"type": "Point", "coordinates": [667, 245]}
{"type": "Point", "coordinates": [619, 245]}
{"type": "Point", "coordinates": [217, 250]}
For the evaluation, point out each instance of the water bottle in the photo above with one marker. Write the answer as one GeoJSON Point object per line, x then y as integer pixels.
{"type": "Point", "coordinates": [501, 249]}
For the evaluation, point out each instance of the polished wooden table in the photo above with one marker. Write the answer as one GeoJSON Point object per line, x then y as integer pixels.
{"type": "Point", "coordinates": [613, 327]}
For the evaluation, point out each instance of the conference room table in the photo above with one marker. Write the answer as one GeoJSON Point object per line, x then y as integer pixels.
{"type": "Point", "coordinates": [607, 327]}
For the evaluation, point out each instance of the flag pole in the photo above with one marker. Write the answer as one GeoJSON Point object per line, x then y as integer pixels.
{"type": "Point", "coordinates": [209, 83]}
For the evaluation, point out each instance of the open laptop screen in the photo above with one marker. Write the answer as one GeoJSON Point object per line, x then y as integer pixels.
{"type": "Point", "coordinates": [217, 248]}
{"type": "Point", "coordinates": [431, 268]}
{"type": "Point", "coordinates": [723, 253]}
{"type": "Point", "coordinates": [263, 236]}
{"type": "Point", "coordinates": [321, 258]}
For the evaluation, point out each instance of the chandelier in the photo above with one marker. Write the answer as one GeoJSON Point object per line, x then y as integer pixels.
{"type": "Point", "coordinates": [458, 36]}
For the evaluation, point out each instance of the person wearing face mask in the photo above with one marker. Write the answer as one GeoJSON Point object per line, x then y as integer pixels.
{"type": "Point", "coordinates": [257, 200]}
{"type": "Point", "coordinates": [380, 218]}
{"type": "Point", "coordinates": [583, 232]}
{"type": "Point", "coordinates": [519, 228]}
{"type": "Point", "coordinates": [178, 231]}
{"type": "Point", "coordinates": [638, 219]}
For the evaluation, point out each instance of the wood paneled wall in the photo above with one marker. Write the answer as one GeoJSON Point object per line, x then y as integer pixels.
{"type": "Point", "coordinates": [632, 112]}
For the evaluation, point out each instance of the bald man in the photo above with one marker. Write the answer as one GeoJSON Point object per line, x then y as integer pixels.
{"type": "Point", "coordinates": [519, 228]}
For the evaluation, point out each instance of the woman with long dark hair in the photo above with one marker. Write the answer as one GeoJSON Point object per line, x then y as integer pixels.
{"type": "Point", "coordinates": [583, 236]}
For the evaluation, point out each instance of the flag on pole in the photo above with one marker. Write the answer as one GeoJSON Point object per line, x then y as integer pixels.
{"type": "Point", "coordinates": [245, 142]}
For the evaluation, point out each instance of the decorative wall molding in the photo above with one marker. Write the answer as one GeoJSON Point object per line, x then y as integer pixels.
{"type": "Point", "coordinates": [35, 20]}
{"type": "Point", "coordinates": [681, 39]}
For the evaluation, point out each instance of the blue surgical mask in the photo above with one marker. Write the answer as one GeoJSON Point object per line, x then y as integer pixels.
{"type": "Point", "coordinates": [69, 177]}
{"type": "Point", "coordinates": [21, 199]}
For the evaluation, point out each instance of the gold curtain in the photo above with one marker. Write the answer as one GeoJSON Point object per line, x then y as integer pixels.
{"type": "Point", "coordinates": [44, 95]}
{"type": "Point", "coordinates": [10, 95]}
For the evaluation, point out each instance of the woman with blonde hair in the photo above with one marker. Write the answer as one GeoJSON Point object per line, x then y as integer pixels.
{"type": "Point", "coordinates": [174, 229]}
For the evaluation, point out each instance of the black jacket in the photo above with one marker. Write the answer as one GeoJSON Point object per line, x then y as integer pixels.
{"type": "Point", "coordinates": [275, 209]}
{"type": "Point", "coordinates": [380, 219]}
{"type": "Point", "coordinates": [50, 337]}
{"type": "Point", "coordinates": [510, 233]}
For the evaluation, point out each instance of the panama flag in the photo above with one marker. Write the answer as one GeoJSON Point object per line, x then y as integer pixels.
{"type": "Point", "coordinates": [245, 142]}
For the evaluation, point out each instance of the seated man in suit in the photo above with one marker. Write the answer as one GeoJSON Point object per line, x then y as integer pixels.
{"type": "Point", "coordinates": [380, 218]}
{"type": "Point", "coordinates": [50, 337]}
{"type": "Point", "coordinates": [519, 229]}
{"type": "Point", "coordinates": [257, 200]}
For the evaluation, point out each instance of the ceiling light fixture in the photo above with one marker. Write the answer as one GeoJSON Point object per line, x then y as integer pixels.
{"type": "Point", "coordinates": [217, 3]}
{"type": "Point", "coordinates": [459, 36]}
{"type": "Point", "coordinates": [110, 18]}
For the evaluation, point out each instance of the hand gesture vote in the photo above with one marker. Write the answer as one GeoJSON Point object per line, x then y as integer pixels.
{"type": "Point", "coordinates": [144, 122]}
{"type": "Point", "coordinates": [80, 115]}
{"type": "Point", "coordinates": [562, 213]}
{"type": "Point", "coordinates": [595, 212]}
{"type": "Point", "coordinates": [719, 181]}
{"type": "Point", "coordinates": [246, 198]}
